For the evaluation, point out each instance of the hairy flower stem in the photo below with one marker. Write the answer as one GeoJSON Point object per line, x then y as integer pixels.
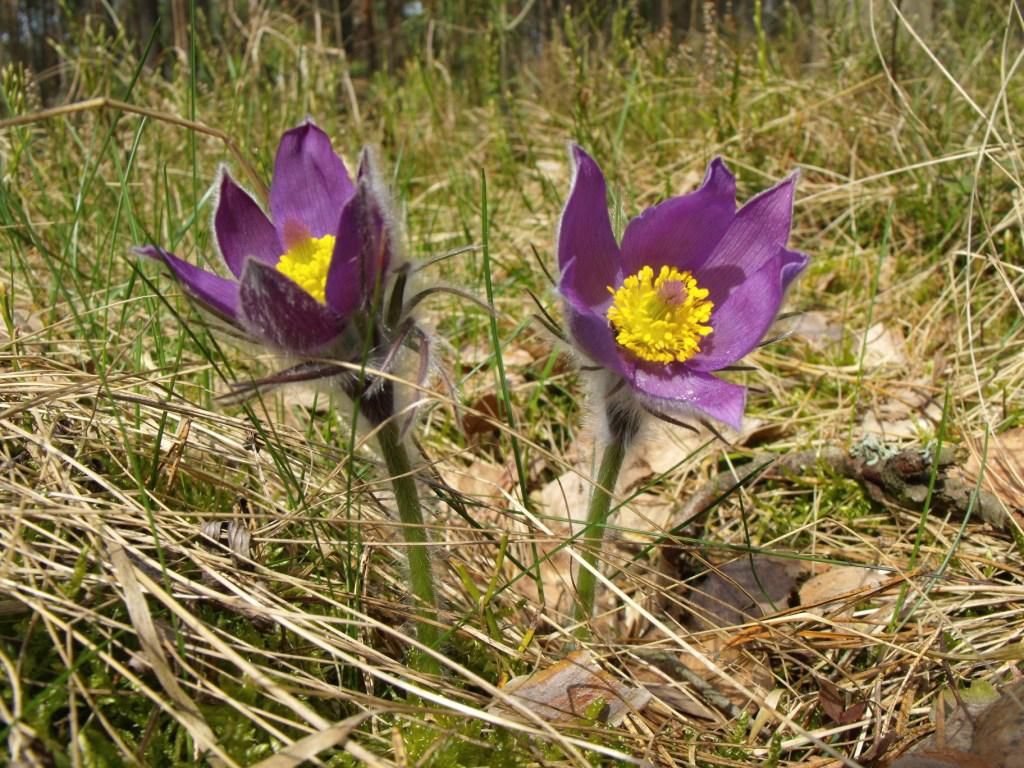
{"type": "Point", "coordinates": [421, 577]}
{"type": "Point", "coordinates": [593, 534]}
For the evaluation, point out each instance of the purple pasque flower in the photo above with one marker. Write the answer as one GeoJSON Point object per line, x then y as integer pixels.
{"type": "Point", "coordinates": [300, 277]}
{"type": "Point", "coordinates": [692, 288]}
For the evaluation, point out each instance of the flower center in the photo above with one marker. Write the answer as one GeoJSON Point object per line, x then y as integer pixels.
{"type": "Point", "coordinates": [306, 262]}
{"type": "Point", "coordinates": [660, 319]}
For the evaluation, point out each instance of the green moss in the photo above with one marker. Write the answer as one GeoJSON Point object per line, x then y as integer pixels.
{"type": "Point", "coordinates": [464, 743]}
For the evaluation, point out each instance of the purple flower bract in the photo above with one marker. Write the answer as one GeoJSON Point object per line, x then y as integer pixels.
{"type": "Point", "coordinates": [299, 275]}
{"type": "Point", "coordinates": [692, 288]}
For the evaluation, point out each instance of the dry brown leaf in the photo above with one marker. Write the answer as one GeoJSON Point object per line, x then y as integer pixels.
{"type": "Point", "coordinates": [478, 420]}
{"type": "Point", "coordinates": [640, 521]}
{"type": "Point", "coordinates": [580, 452]}
{"type": "Point", "coordinates": [575, 688]}
{"type": "Point", "coordinates": [955, 715]}
{"type": "Point", "coordinates": [978, 726]}
{"type": "Point", "coordinates": [840, 706]}
{"type": "Point", "coordinates": [999, 730]}
{"type": "Point", "coordinates": [910, 411]}
{"type": "Point", "coordinates": [746, 667]}
{"type": "Point", "coordinates": [1004, 466]}
{"type": "Point", "coordinates": [564, 501]}
{"type": "Point", "coordinates": [735, 593]}
{"type": "Point", "coordinates": [883, 346]}
{"type": "Point", "coordinates": [672, 693]}
{"type": "Point", "coordinates": [817, 330]}
{"type": "Point", "coordinates": [28, 321]}
{"type": "Point", "coordinates": [941, 758]}
{"type": "Point", "coordinates": [743, 590]}
{"type": "Point", "coordinates": [838, 587]}
{"type": "Point", "coordinates": [518, 356]}
{"type": "Point", "coordinates": [661, 448]}
{"type": "Point", "coordinates": [481, 481]}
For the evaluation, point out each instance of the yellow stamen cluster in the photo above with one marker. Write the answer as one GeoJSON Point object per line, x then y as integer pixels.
{"type": "Point", "coordinates": [306, 262]}
{"type": "Point", "coordinates": [660, 319]}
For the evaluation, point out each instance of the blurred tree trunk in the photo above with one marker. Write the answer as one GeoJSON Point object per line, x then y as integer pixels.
{"type": "Point", "coordinates": [10, 41]}
{"type": "Point", "coordinates": [139, 18]}
{"type": "Point", "coordinates": [365, 35]}
{"type": "Point", "coordinates": [179, 23]}
{"type": "Point", "coordinates": [392, 38]}
{"type": "Point", "coordinates": [30, 32]}
{"type": "Point", "coordinates": [339, 17]}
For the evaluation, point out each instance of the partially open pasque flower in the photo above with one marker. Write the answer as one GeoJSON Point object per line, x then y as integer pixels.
{"type": "Point", "coordinates": [319, 280]}
{"type": "Point", "coordinates": [312, 280]}
{"type": "Point", "coordinates": [692, 288]}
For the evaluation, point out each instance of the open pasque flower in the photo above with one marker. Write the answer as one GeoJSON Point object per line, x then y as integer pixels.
{"type": "Point", "coordinates": [310, 279]}
{"type": "Point", "coordinates": [692, 288]}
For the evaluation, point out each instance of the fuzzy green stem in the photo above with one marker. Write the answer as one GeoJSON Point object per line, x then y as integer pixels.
{"type": "Point", "coordinates": [593, 534]}
{"type": "Point", "coordinates": [421, 577]}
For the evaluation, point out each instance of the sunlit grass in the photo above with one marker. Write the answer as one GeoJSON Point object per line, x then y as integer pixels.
{"type": "Point", "coordinates": [113, 438]}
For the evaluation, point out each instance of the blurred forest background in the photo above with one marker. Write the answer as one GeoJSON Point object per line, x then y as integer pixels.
{"type": "Point", "coordinates": [381, 35]}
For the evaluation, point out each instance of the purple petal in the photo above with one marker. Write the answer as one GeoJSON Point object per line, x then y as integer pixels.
{"type": "Point", "coordinates": [682, 232]}
{"type": "Point", "coordinates": [243, 230]}
{"type": "Point", "coordinates": [585, 233]}
{"type": "Point", "coordinates": [216, 293]}
{"type": "Point", "coordinates": [595, 339]}
{"type": "Point", "coordinates": [676, 388]}
{"type": "Point", "coordinates": [741, 321]}
{"type": "Point", "coordinates": [360, 253]}
{"type": "Point", "coordinates": [310, 184]}
{"type": "Point", "coordinates": [275, 309]}
{"type": "Point", "coordinates": [567, 287]}
{"type": "Point", "coordinates": [793, 263]}
{"type": "Point", "coordinates": [375, 217]}
{"type": "Point", "coordinates": [757, 232]}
